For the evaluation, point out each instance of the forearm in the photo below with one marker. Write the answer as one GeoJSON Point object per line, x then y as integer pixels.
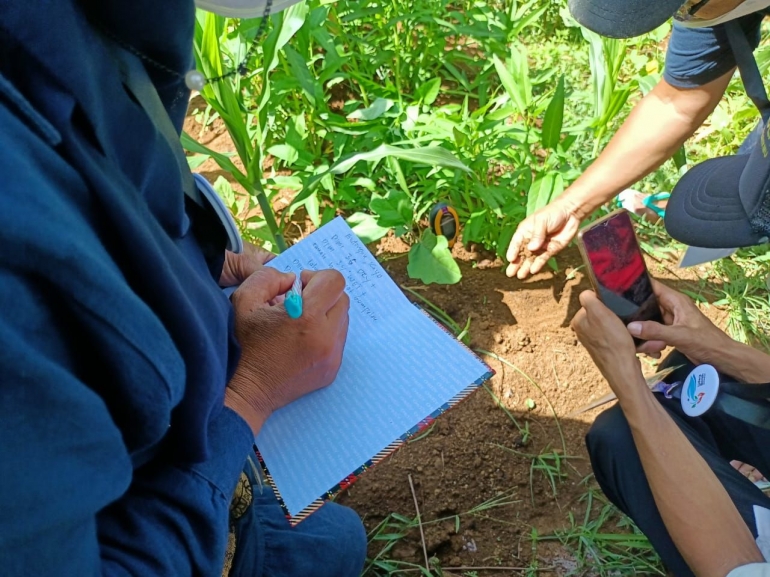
{"type": "Point", "coordinates": [743, 363]}
{"type": "Point", "coordinates": [696, 509]}
{"type": "Point", "coordinates": [653, 132]}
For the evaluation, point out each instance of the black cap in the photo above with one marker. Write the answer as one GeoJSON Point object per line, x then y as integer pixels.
{"type": "Point", "coordinates": [724, 202]}
{"type": "Point", "coordinates": [623, 18]}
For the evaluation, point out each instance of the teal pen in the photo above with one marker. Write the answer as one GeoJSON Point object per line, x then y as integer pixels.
{"type": "Point", "coordinates": [293, 301]}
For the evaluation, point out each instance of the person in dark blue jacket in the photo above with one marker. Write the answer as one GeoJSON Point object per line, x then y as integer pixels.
{"type": "Point", "coordinates": [131, 388]}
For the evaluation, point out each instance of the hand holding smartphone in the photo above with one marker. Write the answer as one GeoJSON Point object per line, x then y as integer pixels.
{"type": "Point", "coordinates": [617, 269]}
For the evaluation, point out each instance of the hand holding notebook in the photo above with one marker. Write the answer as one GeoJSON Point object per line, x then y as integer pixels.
{"type": "Point", "coordinates": [399, 371]}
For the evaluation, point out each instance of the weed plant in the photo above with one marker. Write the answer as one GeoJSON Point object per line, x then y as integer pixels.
{"type": "Point", "coordinates": [379, 109]}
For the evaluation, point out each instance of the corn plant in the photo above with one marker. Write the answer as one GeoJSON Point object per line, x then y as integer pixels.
{"type": "Point", "coordinates": [282, 90]}
{"type": "Point", "coordinates": [378, 110]}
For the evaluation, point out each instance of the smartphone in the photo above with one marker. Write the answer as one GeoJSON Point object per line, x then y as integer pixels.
{"type": "Point", "coordinates": [617, 269]}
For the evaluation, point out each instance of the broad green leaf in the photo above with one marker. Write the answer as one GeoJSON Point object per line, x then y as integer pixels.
{"type": "Point", "coordinates": [225, 190]}
{"type": "Point", "coordinates": [554, 118]}
{"type": "Point", "coordinates": [285, 152]}
{"type": "Point", "coordinates": [196, 160]}
{"type": "Point", "coordinates": [328, 215]}
{"type": "Point", "coordinates": [543, 190]}
{"type": "Point", "coordinates": [430, 155]}
{"type": "Point", "coordinates": [394, 209]}
{"type": "Point", "coordinates": [431, 261]}
{"type": "Point", "coordinates": [313, 208]}
{"type": "Point", "coordinates": [647, 83]}
{"type": "Point", "coordinates": [379, 107]}
{"type": "Point", "coordinates": [474, 228]}
{"type": "Point", "coordinates": [289, 22]}
{"type": "Point", "coordinates": [366, 228]}
{"type": "Point", "coordinates": [460, 137]}
{"type": "Point", "coordinates": [428, 92]}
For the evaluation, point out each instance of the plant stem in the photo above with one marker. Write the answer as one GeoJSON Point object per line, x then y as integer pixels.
{"type": "Point", "coordinates": [267, 212]}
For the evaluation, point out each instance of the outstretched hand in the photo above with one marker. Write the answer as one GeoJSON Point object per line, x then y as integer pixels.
{"type": "Point", "coordinates": [541, 236]}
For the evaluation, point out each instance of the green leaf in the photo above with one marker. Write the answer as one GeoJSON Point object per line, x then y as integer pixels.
{"type": "Point", "coordinates": [299, 68]}
{"type": "Point", "coordinates": [695, 296]}
{"type": "Point", "coordinates": [395, 209]}
{"type": "Point", "coordinates": [366, 227]}
{"type": "Point", "coordinates": [554, 118]}
{"type": "Point", "coordinates": [474, 228]}
{"type": "Point", "coordinates": [515, 78]}
{"type": "Point", "coordinates": [506, 234]}
{"type": "Point", "coordinates": [225, 190]}
{"type": "Point", "coordinates": [196, 160]}
{"type": "Point", "coordinates": [313, 208]}
{"type": "Point", "coordinates": [647, 83]}
{"type": "Point", "coordinates": [285, 152]}
{"type": "Point", "coordinates": [460, 137]}
{"type": "Point", "coordinates": [543, 190]}
{"type": "Point", "coordinates": [428, 92]}
{"type": "Point", "coordinates": [430, 155]}
{"type": "Point", "coordinates": [680, 158]}
{"type": "Point", "coordinates": [431, 262]}
{"type": "Point", "coordinates": [329, 214]}
{"type": "Point", "coordinates": [379, 107]}
{"type": "Point", "coordinates": [289, 22]}
{"type": "Point", "coordinates": [192, 145]}
{"type": "Point", "coordinates": [554, 264]}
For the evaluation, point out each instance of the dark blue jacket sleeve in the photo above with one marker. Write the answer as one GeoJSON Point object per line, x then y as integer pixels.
{"type": "Point", "coordinates": [74, 499]}
{"type": "Point", "coordinates": [71, 502]}
{"type": "Point", "coordinates": [696, 56]}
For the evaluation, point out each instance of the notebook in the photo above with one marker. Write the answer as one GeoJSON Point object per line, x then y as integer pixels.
{"type": "Point", "coordinates": [400, 370]}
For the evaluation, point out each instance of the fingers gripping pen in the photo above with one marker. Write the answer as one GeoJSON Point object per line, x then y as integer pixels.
{"type": "Point", "coordinates": [293, 301]}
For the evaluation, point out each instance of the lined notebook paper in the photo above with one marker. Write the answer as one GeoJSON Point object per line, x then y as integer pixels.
{"type": "Point", "coordinates": [399, 371]}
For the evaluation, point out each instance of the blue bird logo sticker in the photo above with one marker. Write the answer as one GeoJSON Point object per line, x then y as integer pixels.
{"type": "Point", "coordinates": [693, 397]}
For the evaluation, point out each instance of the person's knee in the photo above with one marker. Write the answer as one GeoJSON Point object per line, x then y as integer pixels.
{"type": "Point", "coordinates": [347, 552]}
{"type": "Point", "coordinates": [353, 536]}
{"type": "Point", "coordinates": [609, 438]}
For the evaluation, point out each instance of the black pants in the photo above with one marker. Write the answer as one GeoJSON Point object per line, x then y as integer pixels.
{"type": "Point", "coordinates": [719, 439]}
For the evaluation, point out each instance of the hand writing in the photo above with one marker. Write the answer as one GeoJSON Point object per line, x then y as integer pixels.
{"type": "Point", "coordinates": [283, 358]}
